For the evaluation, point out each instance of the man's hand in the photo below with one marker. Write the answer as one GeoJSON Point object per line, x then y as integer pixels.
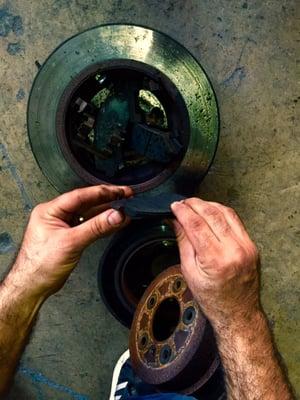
{"type": "Point", "coordinates": [52, 245]}
{"type": "Point", "coordinates": [219, 260]}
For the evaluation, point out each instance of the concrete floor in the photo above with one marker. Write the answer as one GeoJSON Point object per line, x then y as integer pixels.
{"type": "Point", "coordinates": [249, 52]}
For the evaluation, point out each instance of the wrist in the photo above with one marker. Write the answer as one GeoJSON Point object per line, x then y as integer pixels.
{"type": "Point", "coordinates": [21, 294]}
{"type": "Point", "coordinates": [20, 305]}
{"type": "Point", "coordinates": [27, 276]}
{"type": "Point", "coordinates": [241, 330]}
{"type": "Point", "coordinates": [239, 321]}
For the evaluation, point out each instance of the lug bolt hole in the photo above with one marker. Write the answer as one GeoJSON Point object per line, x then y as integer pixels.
{"type": "Point", "coordinates": [165, 354]}
{"type": "Point", "coordinates": [189, 315]}
{"type": "Point", "coordinates": [152, 301]}
{"type": "Point", "coordinates": [178, 285]}
{"type": "Point", "coordinates": [143, 342]}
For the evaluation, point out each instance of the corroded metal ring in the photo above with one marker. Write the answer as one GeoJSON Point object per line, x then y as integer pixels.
{"type": "Point", "coordinates": [172, 345]}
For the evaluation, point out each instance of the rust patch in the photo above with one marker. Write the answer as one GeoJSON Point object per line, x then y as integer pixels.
{"type": "Point", "coordinates": [144, 321]}
{"type": "Point", "coordinates": [164, 288]}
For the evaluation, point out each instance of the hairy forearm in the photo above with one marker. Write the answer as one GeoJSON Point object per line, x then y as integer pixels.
{"type": "Point", "coordinates": [18, 310]}
{"type": "Point", "coordinates": [252, 369]}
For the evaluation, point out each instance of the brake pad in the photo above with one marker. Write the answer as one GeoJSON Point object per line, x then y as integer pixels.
{"type": "Point", "coordinates": [148, 206]}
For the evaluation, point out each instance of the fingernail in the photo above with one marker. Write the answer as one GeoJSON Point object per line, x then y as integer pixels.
{"type": "Point", "coordinates": [176, 203]}
{"type": "Point", "coordinates": [115, 218]}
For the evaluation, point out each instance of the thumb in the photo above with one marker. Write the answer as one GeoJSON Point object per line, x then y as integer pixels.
{"type": "Point", "coordinates": [99, 226]}
{"type": "Point", "coordinates": [186, 250]}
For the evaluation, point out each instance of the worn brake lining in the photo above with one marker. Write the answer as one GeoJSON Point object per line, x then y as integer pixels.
{"type": "Point", "coordinates": [139, 207]}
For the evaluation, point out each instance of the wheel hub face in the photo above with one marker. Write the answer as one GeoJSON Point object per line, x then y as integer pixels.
{"type": "Point", "coordinates": [123, 104]}
{"type": "Point", "coordinates": [172, 344]}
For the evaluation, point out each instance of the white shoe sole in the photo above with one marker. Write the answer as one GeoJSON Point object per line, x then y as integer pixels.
{"type": "Point", "coordinates": [114, 384]}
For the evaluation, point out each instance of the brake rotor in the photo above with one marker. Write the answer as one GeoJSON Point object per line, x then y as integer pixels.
{"type": "Point", "coordinates": [123, 104]}
{"type": "Point", "coordinates": [172, 345]}
{"type": "Point", "coordinates": [132, 260]}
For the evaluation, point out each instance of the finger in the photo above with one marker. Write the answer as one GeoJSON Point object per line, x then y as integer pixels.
{"type": "Point", "coordinates": [196, 228]}
{"type": "Point", "coordinates": [214, 217]}
{"type": "Point", "coordinates": [225, 223]}
{"type": "Point", "coordinates": [92, 212]}
{"type": "Point", "coordinates": [99, 226]}
{"type": "Point", "coordinates": [80, 200]}
{"type": "Point", "coordinates": [233, 220]}
{"type": "Point", "coordinates": [188, 256]}
{"type": "Point", "coordinates": [186, 249]}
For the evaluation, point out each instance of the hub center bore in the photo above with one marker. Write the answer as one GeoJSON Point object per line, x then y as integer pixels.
{"type": "Point", "coordinates": [166, 319]}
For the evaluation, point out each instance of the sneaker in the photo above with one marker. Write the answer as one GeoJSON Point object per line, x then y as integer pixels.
{"type": "Point", "coordinates": [125, 383]}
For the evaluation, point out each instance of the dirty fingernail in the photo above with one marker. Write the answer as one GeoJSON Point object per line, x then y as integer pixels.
{"type": "Point", "coordinates": [115, 218]}
{"type": "Point", "coordinates": [176, 203]}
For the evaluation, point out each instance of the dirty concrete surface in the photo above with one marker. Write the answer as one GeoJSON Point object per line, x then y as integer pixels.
{"type": "Point", "coordinates": [249, 50]}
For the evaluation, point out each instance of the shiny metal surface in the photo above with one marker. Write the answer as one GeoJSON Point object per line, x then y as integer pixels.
{"type": "Point", "coordinates": [123, 42]}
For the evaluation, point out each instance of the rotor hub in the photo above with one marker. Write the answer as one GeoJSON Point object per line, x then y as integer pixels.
{"type": "Point", "coordinates": [172, 344]}
{"type": "Point", "coordinates": [123, 122]}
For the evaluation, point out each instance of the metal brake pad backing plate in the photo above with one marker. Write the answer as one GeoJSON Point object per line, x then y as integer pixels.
{"type": "Point", "coordinates": [123, 104]}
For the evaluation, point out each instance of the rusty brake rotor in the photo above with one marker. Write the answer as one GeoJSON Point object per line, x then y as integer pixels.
{"type": "Point", "coordinates": [172, 344]}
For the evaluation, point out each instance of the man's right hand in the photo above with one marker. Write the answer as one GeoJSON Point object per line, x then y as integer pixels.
{"type": "Point", "coordinates": [218, 259]}
{"type": "Point", "coordinates": [219, 262]}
